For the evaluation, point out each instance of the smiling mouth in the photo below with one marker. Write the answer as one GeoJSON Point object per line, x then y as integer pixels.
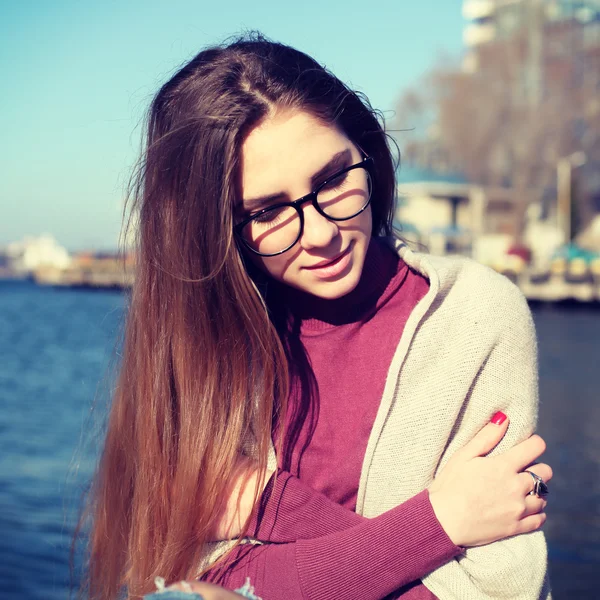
{"type": "Point", "coordinates": [330, 263]}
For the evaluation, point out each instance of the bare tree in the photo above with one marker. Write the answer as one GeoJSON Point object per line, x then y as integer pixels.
{"type": "Point", "coordinates": [531, 100]}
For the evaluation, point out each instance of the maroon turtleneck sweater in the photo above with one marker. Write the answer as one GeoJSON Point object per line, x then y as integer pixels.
{"type": "Point", "coordinates": [316, 546]}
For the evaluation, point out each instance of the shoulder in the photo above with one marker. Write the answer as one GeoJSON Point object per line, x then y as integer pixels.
{"type": "Point", "coordinates": [461, 288]}
{"type": "Point", "coordinates": [463, 278]}
{"type": "Point", "coordinates": [464, 289]}
{"type": "Point", "coordinates": [474, 293]}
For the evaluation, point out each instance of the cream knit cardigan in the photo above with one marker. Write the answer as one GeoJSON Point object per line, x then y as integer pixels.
{"type": "Point", "coordinates": [468, 349]}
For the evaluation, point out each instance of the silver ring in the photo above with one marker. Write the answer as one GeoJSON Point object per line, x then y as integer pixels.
{"type": "Point", "coordinates": [540, 487]}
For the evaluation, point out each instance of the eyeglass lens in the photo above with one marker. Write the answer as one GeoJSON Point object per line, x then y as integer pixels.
{"type": "Point", "coordinates": [278, 229]}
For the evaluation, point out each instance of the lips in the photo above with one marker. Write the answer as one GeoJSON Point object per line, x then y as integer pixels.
{"type": "Point", "coordinates": [329, 263]}
{"type": "Point", "coordinates": [334, 268]}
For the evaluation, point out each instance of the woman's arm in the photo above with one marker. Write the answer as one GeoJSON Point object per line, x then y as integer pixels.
{"type": "Point", "coordinates": [402, 544]}
{"type": "Point", "coordinates": [369, 560]}
{"type": "Point", "coordinates": [288, 510]}
{"type": "Point", "coordinates": [291, 511]}
{"type": "Point", "coordinates": [514, 568]}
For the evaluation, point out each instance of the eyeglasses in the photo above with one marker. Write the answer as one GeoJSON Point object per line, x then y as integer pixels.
{"type": "Point", "coordinates": [343, 196]}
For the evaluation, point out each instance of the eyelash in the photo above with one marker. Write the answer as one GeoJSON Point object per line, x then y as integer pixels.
{"type": "Point", "coordinates": [270, 217]}
{"type": "Point", "coordinates": [340, 181]}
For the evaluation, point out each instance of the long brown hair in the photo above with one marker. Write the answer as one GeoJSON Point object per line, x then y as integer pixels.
{"type": "Point", "coordinates": [203, 367]}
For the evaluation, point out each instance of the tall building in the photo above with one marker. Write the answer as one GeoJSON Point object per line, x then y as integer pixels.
{"type": "Point", "coordinates": [566, 25]}
{"type": "Point", "coordinates": [488, 20]}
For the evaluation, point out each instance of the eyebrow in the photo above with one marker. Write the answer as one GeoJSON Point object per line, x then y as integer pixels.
{"type": "Point", "coordinates": [337, 162]}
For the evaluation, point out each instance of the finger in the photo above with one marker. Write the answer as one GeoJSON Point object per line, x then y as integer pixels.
{"type": "Point", "coordinates": [530, 523]}
{"type": "Point", "coordinates": [541, 470]}
{"type": "Point", "coordinates": [533, 505]}
{"type": "Point", "coordinates": [525, 453]}
{"type": "Point", "coordinates": [487, 438]}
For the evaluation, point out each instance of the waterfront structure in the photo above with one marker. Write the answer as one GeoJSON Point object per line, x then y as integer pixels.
{"type": "Point", "coordinates": [461, 218]}
{"type": "Point", "coordinates": [25, 256]}
{"type": "Point", "coordinates": [45, 261]}
{"type": "Point", "coordinates": [98, 270]}
{"type": "Point", "coordinates": [589, 238]}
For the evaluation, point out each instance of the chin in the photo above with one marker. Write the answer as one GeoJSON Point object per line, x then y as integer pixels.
{"type": "Point", "coordinates": [332, 290]}
{"type": "Point", "coordinates": [334, 294]}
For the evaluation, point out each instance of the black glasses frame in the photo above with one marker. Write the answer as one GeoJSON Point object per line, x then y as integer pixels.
{"type": "Point", "coordinates": [367, 163]}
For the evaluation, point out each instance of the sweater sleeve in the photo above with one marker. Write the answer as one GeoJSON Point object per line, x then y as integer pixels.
{"type": "Point", "coordinates": [290, 511]}
{"type": "Point", "coordinates": [338, 554]}
{"type": "Point", "coordinates": [514, 568]}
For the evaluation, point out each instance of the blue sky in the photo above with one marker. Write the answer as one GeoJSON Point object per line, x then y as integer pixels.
{"type": "Point", "coordinates": [77, 77]}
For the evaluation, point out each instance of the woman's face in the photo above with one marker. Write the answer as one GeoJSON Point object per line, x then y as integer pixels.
{"type": "Point", "coordinates": [283, 159]}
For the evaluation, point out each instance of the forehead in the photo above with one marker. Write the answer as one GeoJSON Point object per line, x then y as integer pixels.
{"type": "Point", "coordinates": [284, 152]}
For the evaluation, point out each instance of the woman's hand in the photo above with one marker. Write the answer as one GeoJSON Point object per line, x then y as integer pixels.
{"type": "Point", "coordinates": [479, 499]}
{"type": "Point", "coordinates": [240, 502]}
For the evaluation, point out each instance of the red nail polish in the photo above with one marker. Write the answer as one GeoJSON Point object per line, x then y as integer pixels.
{"type": "Point", "coordinates": [498, 418]}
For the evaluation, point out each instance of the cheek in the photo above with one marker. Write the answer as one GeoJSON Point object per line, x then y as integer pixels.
{"type": "Point", "coordinates": [368, 222]}
{"type": "Point", "coordinates": [277, 266]}
{"type": "Point", "coordinates": [364, 223]}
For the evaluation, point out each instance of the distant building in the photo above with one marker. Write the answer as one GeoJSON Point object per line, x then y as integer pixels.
{"type": "Point", "coordinates": [489, 20]}
{"type": "Point", "coordinates": [31, 253]}
{"type": "Point", "coordinates": [481, 222]}
{"type": "Point", "coordinates": [91, 270]}
{"type": "Point", "coordinates": [589, 238]}
{"type": "Point", "coordinates": [451, 217]}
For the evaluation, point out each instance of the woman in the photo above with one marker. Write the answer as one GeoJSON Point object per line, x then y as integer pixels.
{"type": "Point", "coordinates": [275, 325]}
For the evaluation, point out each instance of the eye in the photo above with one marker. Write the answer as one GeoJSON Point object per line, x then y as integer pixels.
{"type": "Point", "coordinates": [336, 182]}
{"type": "Point", "coordinates": [269, 216]}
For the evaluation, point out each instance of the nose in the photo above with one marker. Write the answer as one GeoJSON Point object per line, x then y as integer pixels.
{"type": "Point", "coordinates": [318, 231]}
